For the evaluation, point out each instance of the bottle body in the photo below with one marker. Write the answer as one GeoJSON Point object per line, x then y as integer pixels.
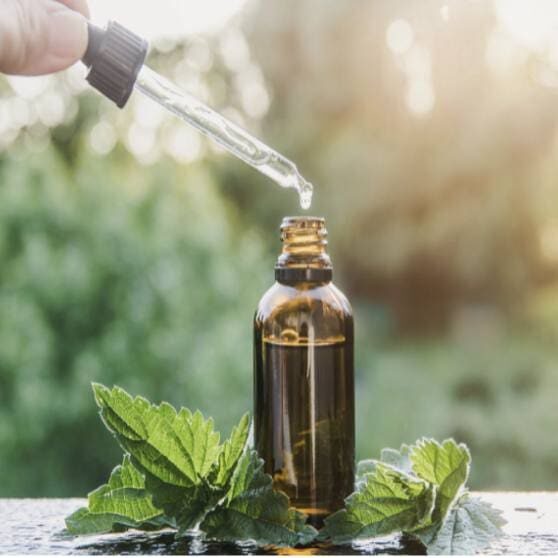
{"type": "Point", "coordinates": [304, 391]}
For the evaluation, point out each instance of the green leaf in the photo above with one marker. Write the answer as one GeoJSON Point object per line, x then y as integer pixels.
{"type": "Point", "coordinates": [254, 511]}
{"type": "Point", "coordinates": [248, 469]}
{"type": "Point", "coordinates": [400, 459]}
{"type": "Point", "coordinates": [364, 469]}
{"type": "Point", "coordinates": [444, 465]}
{"type": "Point", "coordinates": [187, 505]}
{"type": "Point", "coordinates": [83, 522]}
{"type": "Point", "coordinates": [186, 470]}
{"type": "Point", "coordinates": [177, 448]}
{"type": "Point", "coordinates": [470, 527]}
{"type": "Point", "coordinates": [199, 438]}
{"type": "Point", "coordinates": [387, 502]}
{"type": "Point", "coordinates": [122, 503]}
{"type": "Point", "coordinates": [396, 459]}
{"type": "Point", "coordinates": [231, 452]}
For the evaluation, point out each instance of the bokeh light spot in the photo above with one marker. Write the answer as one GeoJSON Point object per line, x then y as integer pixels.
{"type": "Point", "coordinates": [399, 36]}
{"type": "Point", "coordinates": [420, 97]}
{"type": "Point", "coordinates": [102, 138]}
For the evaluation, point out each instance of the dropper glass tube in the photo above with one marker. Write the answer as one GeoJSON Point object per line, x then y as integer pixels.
{"type": "Point", "coordinates": [230, 136]}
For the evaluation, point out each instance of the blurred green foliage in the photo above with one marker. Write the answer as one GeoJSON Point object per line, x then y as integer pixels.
{"type": "Point", "coordinates": [499, 398]}
{"type": "Point", "coordinates": [132, 252]}
{"type": "Point", "coordinates": [149, 284]}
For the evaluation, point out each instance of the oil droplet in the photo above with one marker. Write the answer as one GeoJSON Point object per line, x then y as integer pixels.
{"type": "Point", "coordinates": [289, 336]}
{"type": "Point", "coordinates": [305, 191]}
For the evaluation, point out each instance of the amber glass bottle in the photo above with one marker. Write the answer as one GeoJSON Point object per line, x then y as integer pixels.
{"type": "Point", "coordinates": [303, 375]}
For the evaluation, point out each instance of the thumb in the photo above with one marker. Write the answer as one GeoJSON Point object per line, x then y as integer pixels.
{"type": "Point", "coordinates": [40, 36]}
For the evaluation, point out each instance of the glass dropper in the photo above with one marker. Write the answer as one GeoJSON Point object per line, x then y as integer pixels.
{"type": "Point", "coordinates": [116, 59]}
{"type": "Point", "coordinates": [227, 134]}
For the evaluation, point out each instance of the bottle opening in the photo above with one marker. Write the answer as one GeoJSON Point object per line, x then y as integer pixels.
{"type": "Point", "coordinates": [304, 235]}
{"type": "Point", "coordinates": [304, 256]}
{"type": "Point", "coordinates": [303, 222]}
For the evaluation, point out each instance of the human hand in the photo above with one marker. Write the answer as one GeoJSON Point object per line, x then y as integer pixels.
{"type": "Point", "coordinates": [41, 36]}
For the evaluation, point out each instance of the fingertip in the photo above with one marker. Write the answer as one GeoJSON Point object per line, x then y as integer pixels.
{"type": "Point", "coordinates": [51, 37]}
{"type": "Point", "coordinates": [80, 6]}
{"type": "Point", "coordinates": [67, 38]}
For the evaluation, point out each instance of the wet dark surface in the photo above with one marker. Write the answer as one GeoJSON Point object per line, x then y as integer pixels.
{"type": "Point", "coordinates": [36, 526]}
{"type": "Point", "coordinates": [165, 543]}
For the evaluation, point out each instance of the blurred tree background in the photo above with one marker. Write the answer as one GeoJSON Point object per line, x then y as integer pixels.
{"type": "Point", "coordinates": [132, 251]}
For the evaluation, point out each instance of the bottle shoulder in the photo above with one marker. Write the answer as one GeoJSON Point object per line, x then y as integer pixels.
{"type": "Point", "coordinates": [318, 311]}
{"type": "Point", "coordinates": [288, 298]}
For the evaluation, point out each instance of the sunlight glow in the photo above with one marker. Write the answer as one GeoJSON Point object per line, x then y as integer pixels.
{"type": "Point", "coordinates": [166, 18]}
{"type": "Point", "coordinates": [502, 52]}
{"type": "Point", "coordinates": [533, 24]}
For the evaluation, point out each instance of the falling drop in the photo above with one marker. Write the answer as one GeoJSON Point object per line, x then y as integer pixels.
{"type": "Point", "coordinates": [305, 191]}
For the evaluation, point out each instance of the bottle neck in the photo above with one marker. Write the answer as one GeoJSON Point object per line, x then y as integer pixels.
{"type": "Point", "coordinates": [304, 257]}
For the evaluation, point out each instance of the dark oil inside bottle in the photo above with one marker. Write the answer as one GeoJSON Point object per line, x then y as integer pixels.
{"type": "Point", "coordinates": [304, 421]}
{"type": "Point", "coordinates": [303, 375]}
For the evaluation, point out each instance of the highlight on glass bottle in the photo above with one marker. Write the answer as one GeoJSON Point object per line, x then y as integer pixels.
{"type": "Point", "coordinates": [303, 375]}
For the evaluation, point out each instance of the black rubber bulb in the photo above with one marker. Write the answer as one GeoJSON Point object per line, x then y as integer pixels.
{"type": "Point", "coordinates": [114, 57]}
